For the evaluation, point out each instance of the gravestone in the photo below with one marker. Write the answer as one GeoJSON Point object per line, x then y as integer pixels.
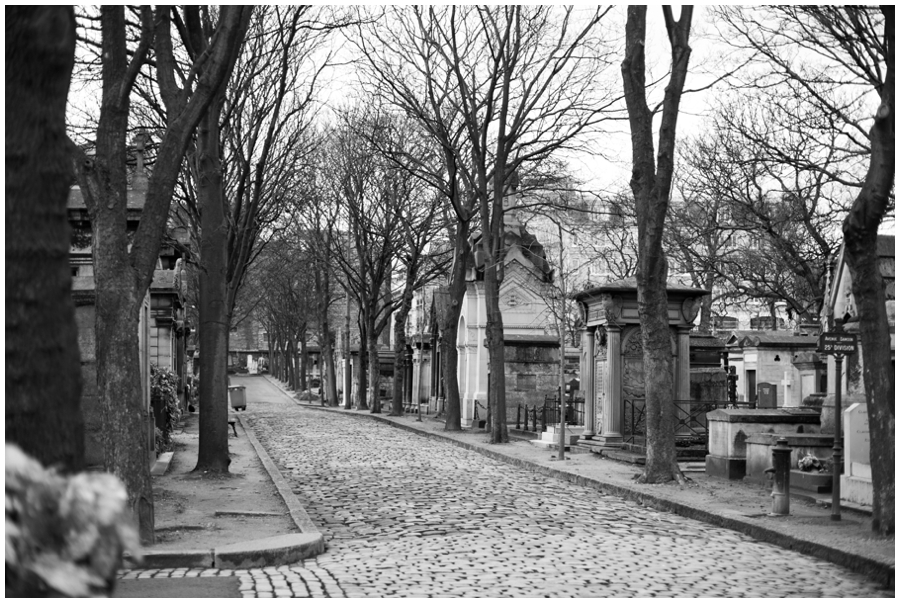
{"type": "Point", "coordinates": [767, 396]}
{"type": "Point", "coordinates": [856, 483]}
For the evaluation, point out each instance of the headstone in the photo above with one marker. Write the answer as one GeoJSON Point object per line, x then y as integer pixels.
{"type": "Point", "coordinates": [767, 396]}
{"type": "Point", "coordinates": [856, 437]}
{"type": "Point", "coordinates": [856, 483]}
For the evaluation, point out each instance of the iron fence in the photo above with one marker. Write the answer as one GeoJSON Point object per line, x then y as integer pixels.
{"type": "Point", "coordinates": [690, 418]}
{"type": "Point", "coordinates": [536, 418]}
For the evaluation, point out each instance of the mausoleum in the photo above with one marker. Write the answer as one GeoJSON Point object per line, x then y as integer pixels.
{"type": "Point", "coordinates": [612, 362]}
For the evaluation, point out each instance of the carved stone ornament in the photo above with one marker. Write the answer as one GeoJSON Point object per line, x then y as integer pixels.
{"type": "Point", "coordinates": [612, 307]}
{"type": "Point", "coordinates": [690, 308]}
{"type": "Point", "coordinates": [600, 343]}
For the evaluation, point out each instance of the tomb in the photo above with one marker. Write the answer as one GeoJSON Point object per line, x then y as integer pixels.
{"type": "Point", "coordinates": [730, 430]}
{"type": "Point", "coordinates": [759, 452]}
{"type": "Point", "coordinates": [532, 351]}
{"type": "Point", "coordinates": [612, 362]}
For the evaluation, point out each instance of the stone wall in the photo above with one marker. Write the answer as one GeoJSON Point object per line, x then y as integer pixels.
{"type": "Point", "coordinates": [532, 372]}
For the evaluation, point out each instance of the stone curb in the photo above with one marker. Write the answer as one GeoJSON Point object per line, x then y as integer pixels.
{"type": "Point", "coordinates": [873, 568]}
{"type": "Point", "coordinates": [298, 513]}
{"type": "Point", "coordinates": [162, 463]}
{"type": "Point", "coordinates": [277, 550]}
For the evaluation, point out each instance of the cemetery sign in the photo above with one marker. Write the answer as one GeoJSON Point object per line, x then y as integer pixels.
{"type": "Point", "coordinates": [837, 343]}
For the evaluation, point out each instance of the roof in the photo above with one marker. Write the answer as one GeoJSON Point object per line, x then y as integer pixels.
{"type": "Point", "coordinates": [630, 284]}
{"type": "Point", "coordinates": [134, 200]}
{"type": "Point", "coordinates": [542, 339]}
{"type": "Point", "coordinates": [755, 339]}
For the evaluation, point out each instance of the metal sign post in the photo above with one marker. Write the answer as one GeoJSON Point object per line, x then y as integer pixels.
{"type": "Point", "coordinates": [837, 343]}
{"type": "Point", "coordinates": [838, 450]}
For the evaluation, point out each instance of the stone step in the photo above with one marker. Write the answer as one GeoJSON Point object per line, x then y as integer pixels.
{"type": "Point", "coordinates": [692, 467]}
{"type": "Point", "coordinates": [616, 454]}
{"type": "Point", "coordinates": [555, 446]}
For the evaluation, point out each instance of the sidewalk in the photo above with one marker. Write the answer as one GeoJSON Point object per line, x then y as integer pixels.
{"type": "Point", "coordinates": [246, 518]}
{"type": "Point", "coordinates": [736, 505]}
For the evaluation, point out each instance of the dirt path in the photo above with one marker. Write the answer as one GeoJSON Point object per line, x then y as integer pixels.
{"type": "Point", "coordinates": [202, 511]}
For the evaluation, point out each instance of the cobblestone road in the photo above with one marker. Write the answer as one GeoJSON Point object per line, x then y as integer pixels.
{"type": "Point", "coordinates": [409, 516]}
{"type": "Point", "coordinates": [406, 515]}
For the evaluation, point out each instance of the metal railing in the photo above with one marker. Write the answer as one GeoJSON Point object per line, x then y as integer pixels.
{"type": "Point", "coordinates": [536, 418]}
{"type": "Point", "coordinates": [690, 418]}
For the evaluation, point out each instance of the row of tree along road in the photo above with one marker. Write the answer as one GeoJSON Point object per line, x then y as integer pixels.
{"type": "Point", "coordinates": [315, 203]}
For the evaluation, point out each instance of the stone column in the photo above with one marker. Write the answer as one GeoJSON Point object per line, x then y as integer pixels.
{"type": "Point", "coordinates": [683, 377]}
{"type": "Point", "coordinates": [587, 381]}
{"type": "Point", "coordinates": [611, 430]}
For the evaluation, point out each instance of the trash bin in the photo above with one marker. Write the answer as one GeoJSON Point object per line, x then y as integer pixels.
{"type": "Point", "coordinates": [238, 397]}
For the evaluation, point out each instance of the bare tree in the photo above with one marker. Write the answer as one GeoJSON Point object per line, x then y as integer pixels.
{"type": "Point", "coordinates": [240, 171]}
{"type": "Point", "coordinates": [124, 264]}
{"type": "Point", "coordinates": [43, 373]}
{"type": "Point", "coordinates": [756, 227]}
{"type": "Point", "coordinates": [651, 182]}
{"type": "Point", "coordinates": [847, 60]}
{"type": "Point", "coordinates": [497, 88]}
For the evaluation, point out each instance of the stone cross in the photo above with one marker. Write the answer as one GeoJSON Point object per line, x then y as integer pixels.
{"type": "Point", "coordinates": [786, 382]}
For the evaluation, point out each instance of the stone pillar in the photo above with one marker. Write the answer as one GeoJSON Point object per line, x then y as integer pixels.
{"type": "Point", "coordinates": [611, 430]}
{"type": "Point", "coordinates": [587, 381]}
{"type": "Point", "coordinates": [683, 378]}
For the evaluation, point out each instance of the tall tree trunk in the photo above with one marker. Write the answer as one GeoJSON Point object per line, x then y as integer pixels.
{"type": "Point", "coordinates": [374, 372]}
{"type": "Point", "coordinates": [651, 183]}
{"type": "Point", "coordinates": [860, 252]}
{"type": "Point", "coordinates": [119, 296]}
{"type": "Point", "coordinates": [449, 353]}
{"type": "Point", "coordinates": [303, 378]}
{"type": "Point", "coordinates": [496, 354]}
{"type": "Point", "coordinates": [214, 316]}
{"type": "Point", "coordinates": [400, 360]}
{"type": "Point", "coordinates": [328, 364]}
{"type": "Point", "coordinates": [362, 360]}
{"type": "Point", "coordinates": [43, 372]}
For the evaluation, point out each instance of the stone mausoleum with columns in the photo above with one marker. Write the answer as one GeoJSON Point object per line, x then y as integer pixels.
{"type": "Point", "coordinates": [612, 364]}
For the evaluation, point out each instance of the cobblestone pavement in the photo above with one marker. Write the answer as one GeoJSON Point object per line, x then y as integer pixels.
{"type": "Point", "coordinates": [409, 516]}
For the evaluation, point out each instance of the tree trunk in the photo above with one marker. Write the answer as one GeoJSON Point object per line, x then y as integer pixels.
{"type": "Point", "coordinates": [124, 402]}
{"type": "Point", "coordinates": [328, 365]}
{"type": "Point", "coordinates": [400, 360]}
{"type": "Point", "coordinates": [301, 379]}
{"type": "Point", "coordinates": [651, 183]}
{"type": "Point", "coordinates": [449, 353]}
{"type": "Point", "coordinates": [361, 374]}
{"type": "Point", "coordinates": [374, 372]}
{"type": "Point", "coordinates": [43, 372]}
{"type": "Point", "coordinates": [214, 317]}
{"type": "Point", "coordinates": [126, 420]}
{"type": "Point", "coordinates": [860, 252]}
{"type": "Point", "coordinates": [496, 355]}
{"type": "Point", "coordinates": [298, 370]}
